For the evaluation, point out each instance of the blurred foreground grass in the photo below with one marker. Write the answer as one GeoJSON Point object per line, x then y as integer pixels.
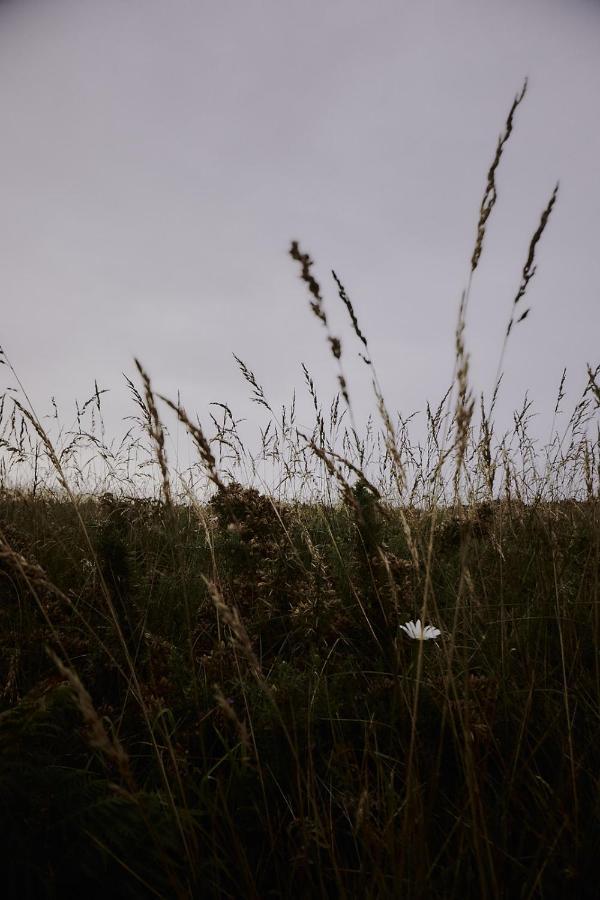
{"type": "Point", "coordinates": [268, 728]}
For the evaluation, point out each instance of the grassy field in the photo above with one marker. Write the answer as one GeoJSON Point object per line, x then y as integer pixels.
{"type": "Point", "coordinates": [211, 694]}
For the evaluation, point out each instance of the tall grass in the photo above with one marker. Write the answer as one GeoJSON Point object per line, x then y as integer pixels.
{"type": "Point", "coordinates": [206, 690]}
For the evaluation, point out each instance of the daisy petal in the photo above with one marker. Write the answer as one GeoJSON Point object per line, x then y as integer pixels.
{"type": "Point", "coordinates": [417, 632]}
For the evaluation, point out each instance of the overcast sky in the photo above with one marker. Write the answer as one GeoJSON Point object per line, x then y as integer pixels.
{"type": "Point", "coordinates": [158, 156]}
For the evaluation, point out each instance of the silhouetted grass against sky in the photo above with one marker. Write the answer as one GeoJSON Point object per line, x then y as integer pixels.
{"type": "Point", "coordinates": [263, 631]}
{"type": "Point", "coordinates": [158, 158]}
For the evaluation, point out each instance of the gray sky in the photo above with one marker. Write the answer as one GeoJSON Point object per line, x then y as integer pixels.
{"type": "Point", "coordinates": [159, 155]}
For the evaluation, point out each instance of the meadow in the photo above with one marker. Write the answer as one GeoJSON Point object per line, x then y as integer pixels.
{"type": "Point", "coordinates": [206, 688]}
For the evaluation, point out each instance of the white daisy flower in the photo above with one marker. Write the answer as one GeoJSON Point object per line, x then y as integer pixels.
{"type": "Point", "coordinates": [416, 631]}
